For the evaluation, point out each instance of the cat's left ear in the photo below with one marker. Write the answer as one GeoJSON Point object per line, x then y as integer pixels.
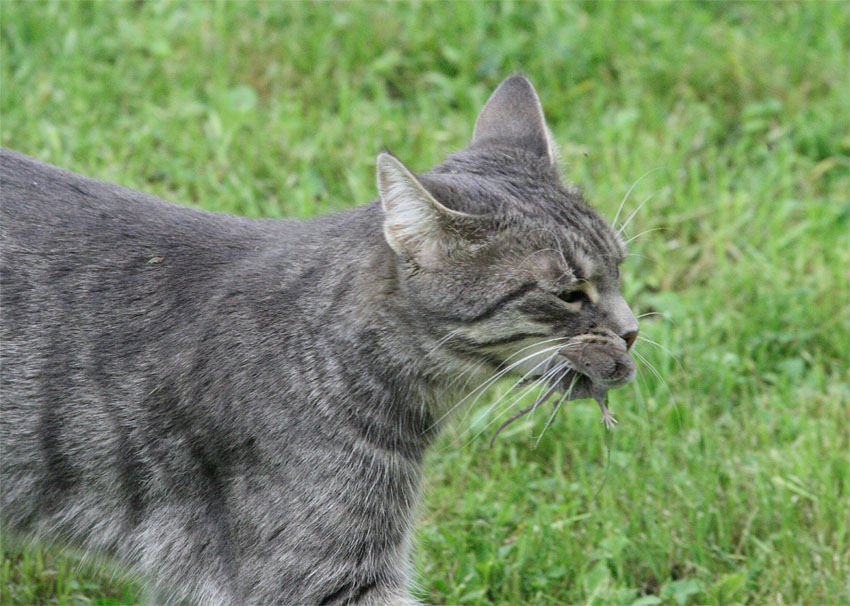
{"type": "Point", "coordinates": [513, 115]}
{"type": "Point", "coordinates": [416, 225]}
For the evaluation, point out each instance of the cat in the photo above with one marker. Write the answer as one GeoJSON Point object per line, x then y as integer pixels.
{"type": "Point", "coordinates": [238, 409]}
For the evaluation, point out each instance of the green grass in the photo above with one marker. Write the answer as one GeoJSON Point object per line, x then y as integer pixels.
{"type": "Point", "coordinates": [726, 480]}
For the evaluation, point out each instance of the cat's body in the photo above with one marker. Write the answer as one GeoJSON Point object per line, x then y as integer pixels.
{"type": "Point", "coordinates": [130, 359]}
{"type": "Point", "coordinates": [239, 408]}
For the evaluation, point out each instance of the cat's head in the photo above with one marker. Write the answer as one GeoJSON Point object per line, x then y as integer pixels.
{"type": "Point", "coordinates": [506, 262]}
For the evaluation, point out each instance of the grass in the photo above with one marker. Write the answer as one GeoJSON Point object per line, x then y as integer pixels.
{"type": "Point", "coordinates": [727, 480]}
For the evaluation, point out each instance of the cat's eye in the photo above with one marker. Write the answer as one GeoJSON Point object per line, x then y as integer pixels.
{"type": "Point", "coordinates": [574, 296]}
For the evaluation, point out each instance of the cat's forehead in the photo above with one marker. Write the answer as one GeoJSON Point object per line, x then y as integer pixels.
{"type": "Point", "coordinates": [561, 255]}
{"type": "Point", "coordinates": [540, 217]}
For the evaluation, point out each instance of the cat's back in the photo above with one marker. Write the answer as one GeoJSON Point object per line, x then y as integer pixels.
{"type": "Point", "coordinates": [103, 254]}
{"type": "Point", "coordinates": [106, 295]}
{"type": "Point", "coordinates": [109, 268]}
{"type": "Point", "coordinates": [78, 254]}
{"type": "Point", "coordinates": [44, 205]}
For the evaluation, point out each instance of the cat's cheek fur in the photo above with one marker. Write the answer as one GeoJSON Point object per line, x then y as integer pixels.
{"type": "Point", "coordinates": [502, 333]}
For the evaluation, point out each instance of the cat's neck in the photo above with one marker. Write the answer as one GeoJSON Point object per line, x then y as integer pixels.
{"type": "Point", "coordinates": [378, 367]}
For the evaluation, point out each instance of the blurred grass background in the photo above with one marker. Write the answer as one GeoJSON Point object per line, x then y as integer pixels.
{"type": "Point", "coordinates": [726, 481]}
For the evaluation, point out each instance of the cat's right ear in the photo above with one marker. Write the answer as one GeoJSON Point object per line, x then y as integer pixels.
{"type": "Point", "coordinates": [416, 225]}
{"type": "Point", "coordinates": [513, 113]}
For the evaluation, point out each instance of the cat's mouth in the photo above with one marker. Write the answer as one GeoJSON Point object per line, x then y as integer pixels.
{"type": "Point", "coordinates": [612, 368]}
{"type": "Point", "coordinates": [587, 367]}
{"type": "Point", "coordinates": [588, 370]}
{"type": "Point", "coordinates": [570, 385]}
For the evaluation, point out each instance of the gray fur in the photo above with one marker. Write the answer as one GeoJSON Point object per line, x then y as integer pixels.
{"type": "Point", "coordinates": [238, 409]}
{"type": "Point", "coordinates": [514, 115]}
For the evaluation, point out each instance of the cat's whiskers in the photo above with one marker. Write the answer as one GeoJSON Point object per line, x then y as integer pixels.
{"type": "Point", "coordinates": [628, 193]}
{"type": "Point", "coordinates": [469, 372]}
{"type": "Point", "coordinates": [678, 363]}
{"type": "Point", "coordinates": [442, 342]}
{"type": "Point", "coordinates": [541, 383]}
{"type": "Point", "coordinates": [651, 313]}
{"type": "Point", "coordinates": [635, 211]}
{"type": "Point", "coordinates": [502, 369]}
{"type": "Point", "coordinates": [488, 382]}
{"type": "Point", "coordinates": [561, 370]}
{"type": "Point", "coordinates": [646, 362]}
{"type": "Point", "coordinates": [556, 408]}
{"type": "Point", "coordinates": [515, 397]}
{"type": "Point", "coordinates": [544, 394]}
{"type": "Point", "coordinates": [544, 390]}
{"type": "Point", "coordinates": [635, 237]}
{"type": "Point", "coordinates": [535, 344]}
{"type": "Point", "coordinates": [640, 394]}
{"type": "Point", "coordinates": [660, 346]}
{"type": "Point", "coordinates": [522, 379]}
{"type": "Point", "coordinates": [658, 376]}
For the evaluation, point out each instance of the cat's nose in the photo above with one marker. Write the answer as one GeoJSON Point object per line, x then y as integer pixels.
{"type": "Point", "coordinates": [629, 337]}
{"type": "Point", "coordinates": [621, 319]}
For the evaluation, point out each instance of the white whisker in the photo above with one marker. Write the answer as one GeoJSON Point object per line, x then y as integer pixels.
{"type": "Point", "coordinates": [523, 392]}
{"type": "Point", "coordinates": [626, 197]}
{"type": "Point", "coordinates": [657, 374]}
{"type": "Point", "coordinates": [487, 383]}
{"type": "Point", "coordinates": [521, 380]}
{"type": "Point", "coordinates": [645, 232]}
{"type": "Point", "coordinates": [659, 345]}
{"type": "Point", "coordinates": [442, 341]}
{"type": "Point", "coordinates": [557, 407]}
{"type": "Point", "coordinates": [535, 345]}
{"type": "Point", "coordinates": [635, 211]}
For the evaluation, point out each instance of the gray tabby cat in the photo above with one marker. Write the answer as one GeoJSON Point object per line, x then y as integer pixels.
{"type": "Point", "coordinates": [238, 409]}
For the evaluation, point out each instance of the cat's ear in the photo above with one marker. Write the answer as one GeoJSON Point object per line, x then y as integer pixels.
{"type": "Point", "coordinates": [514, 114]}
{"type": "Point", "coordinates": [416, 225]}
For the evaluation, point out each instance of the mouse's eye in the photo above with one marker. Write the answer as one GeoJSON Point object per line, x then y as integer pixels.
{"type": "Point", "coordinates": [574, 296]}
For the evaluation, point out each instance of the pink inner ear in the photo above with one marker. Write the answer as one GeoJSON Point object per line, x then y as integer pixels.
{"type": "Point", "coordinates": [414, 220]}
{"type": "Point", "coordinates": [430, 255]}
{"type": "Point", "coordinates": [428, 245]}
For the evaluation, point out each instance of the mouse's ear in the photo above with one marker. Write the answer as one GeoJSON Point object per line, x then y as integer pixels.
{"type": "Point", "coordinates": [513, 115]}
{"type": "Point", "coordinates": [416, 225]}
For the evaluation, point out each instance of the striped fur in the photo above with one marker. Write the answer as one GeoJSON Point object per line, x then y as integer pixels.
{"type": "Point", "coordinates": [238, 409]}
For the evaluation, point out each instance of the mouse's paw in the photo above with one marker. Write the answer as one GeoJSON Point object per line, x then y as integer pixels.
{"type": "Point", "coordinates": [608, 419]}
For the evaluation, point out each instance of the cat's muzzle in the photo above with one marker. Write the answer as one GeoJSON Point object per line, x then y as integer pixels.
{"type": "Point", "coordinates": [594, 368]}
